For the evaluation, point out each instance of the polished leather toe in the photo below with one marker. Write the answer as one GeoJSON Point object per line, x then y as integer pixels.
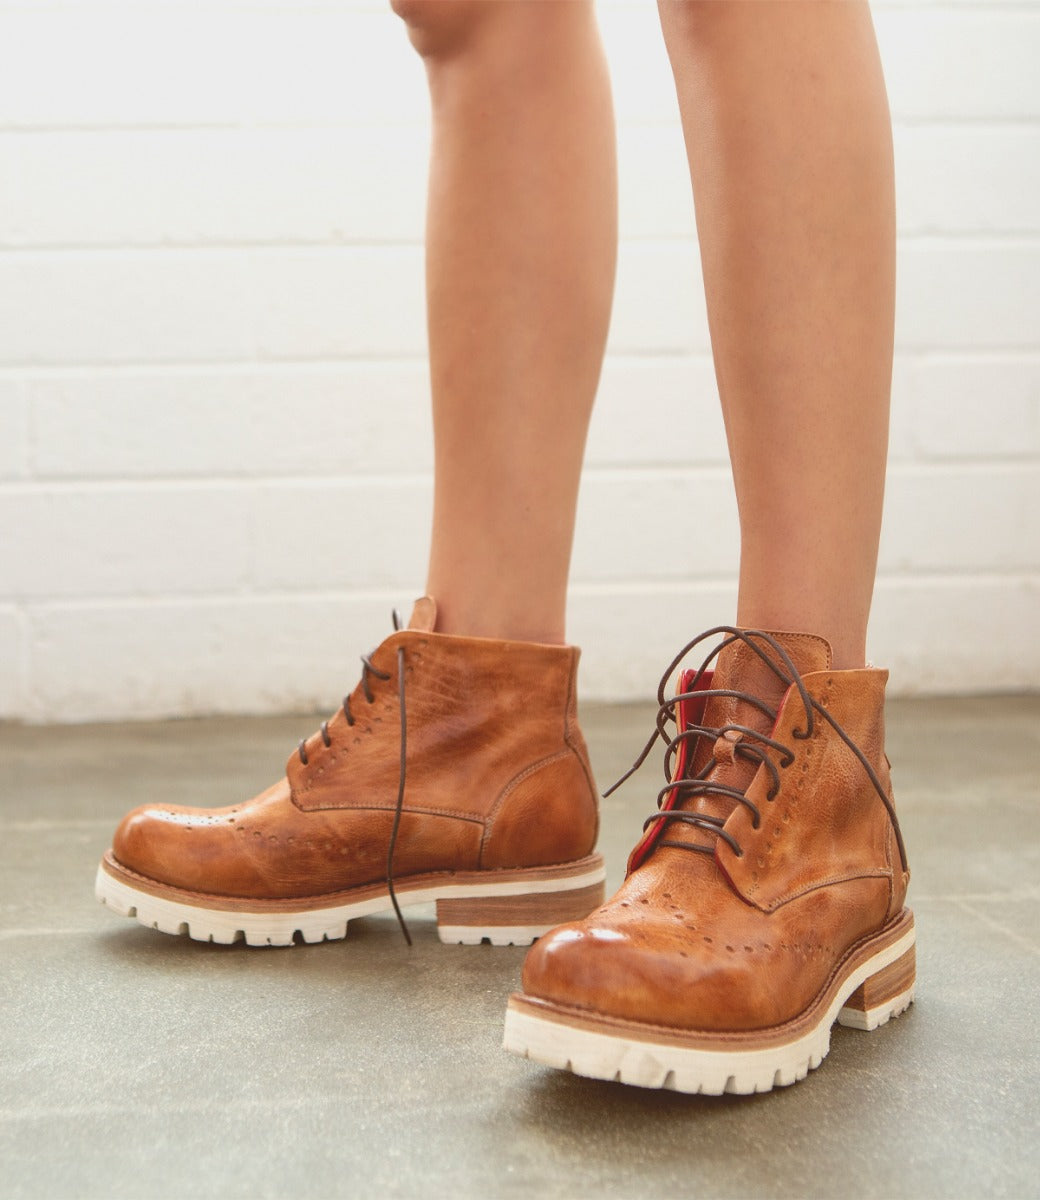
{"type": "Point", "coordinates": [193, 848]}
{"type": "Point", "coordinates": [676, 947]}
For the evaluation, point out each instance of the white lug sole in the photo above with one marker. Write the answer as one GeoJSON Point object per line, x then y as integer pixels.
{"type": "Point", "coordinates": [501, 907]}
{"type": "Point", "coordinates": [570, 1041]}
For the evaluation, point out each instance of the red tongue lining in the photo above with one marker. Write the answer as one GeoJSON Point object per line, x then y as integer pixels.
{"type": "Point", "coordinates": [688, 712]}
{"type": "Point", "coordinates": [737, 668]}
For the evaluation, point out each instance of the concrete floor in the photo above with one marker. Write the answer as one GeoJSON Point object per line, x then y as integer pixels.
{"type": "Point", "coordinates": [134, 1064]}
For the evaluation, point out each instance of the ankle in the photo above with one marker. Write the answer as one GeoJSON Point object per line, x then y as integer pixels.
{"type": "Point", "coordinates": [506, 627]}
{"type": "Point", "coordinates": [503, 618]}
{"type": "Point", "coordinates": [848, 645]}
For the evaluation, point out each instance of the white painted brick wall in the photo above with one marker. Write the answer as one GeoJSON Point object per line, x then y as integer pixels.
{"type": "Point", "coordinates": [215, 459]}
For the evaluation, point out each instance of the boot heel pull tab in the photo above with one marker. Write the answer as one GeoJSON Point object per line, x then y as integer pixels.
{"type": "Point", "coordinates": [424, 615]}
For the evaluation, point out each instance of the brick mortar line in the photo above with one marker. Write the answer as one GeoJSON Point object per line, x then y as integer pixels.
{"type": "Point", "coordinates": [666, 473]}
{"type": "Point", "coordinates": [711, 470]}
{"type": "Point", "coordinates": [625, 124]}
{"type": "Point", "coordinates": [283, 245]}
{"type": "Point", "coordinates": [919, 580]}
{"type": "Point", "coordinates": [905, 350]}
{"type": "Point", "coordinates": [1019, 355]}
{"type": "Point", "coordinates": [964, 237]}
{"type": "Point", "coordinates": [243, 125]}
{"type": "Point", "coordinates": [126, 365]}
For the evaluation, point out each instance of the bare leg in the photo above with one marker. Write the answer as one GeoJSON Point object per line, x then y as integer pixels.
{"type": "Point", "coordinates": [521, 248]}
{"type": "Point", "coordinates": [779, 837]}
{"type": "Point", "coordinates": [789, 140]}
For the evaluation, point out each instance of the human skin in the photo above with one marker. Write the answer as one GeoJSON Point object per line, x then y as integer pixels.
{"type": "Point", "coordinates": [789, 144]}
{"type": "Point", "coordinates": [521, 242]}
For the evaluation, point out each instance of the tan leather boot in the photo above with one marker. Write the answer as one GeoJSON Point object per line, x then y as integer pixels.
{"type": "Point", "coordinates": [765, 901]}
{"type": "Point", "coordinates": [455, 772]}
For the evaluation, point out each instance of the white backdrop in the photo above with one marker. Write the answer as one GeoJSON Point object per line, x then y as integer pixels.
{"type": "Point", "coordinates": [214, 438]}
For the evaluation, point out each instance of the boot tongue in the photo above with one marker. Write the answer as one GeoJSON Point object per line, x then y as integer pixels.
{"type": "Point", "coordinates": [738, 668]}
{"type": "Point", "coordinates": [424, 615]}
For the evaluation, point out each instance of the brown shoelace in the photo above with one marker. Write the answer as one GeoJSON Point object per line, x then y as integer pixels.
{"type": "Point", "coordinates": [755, 751]}
{"type": "Point", "coordinates": [367, 669]}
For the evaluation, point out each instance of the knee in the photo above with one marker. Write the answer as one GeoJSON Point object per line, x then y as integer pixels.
{"type": "Point", "coordinates": [695, 21]}
{"type": "Point", "coordinates": [443, 28]}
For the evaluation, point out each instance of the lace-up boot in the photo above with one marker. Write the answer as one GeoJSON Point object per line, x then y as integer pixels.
{"type": "Point", "coordinates": [454, 772]}
{"type": "Point", "coordinates": [765, 900]}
